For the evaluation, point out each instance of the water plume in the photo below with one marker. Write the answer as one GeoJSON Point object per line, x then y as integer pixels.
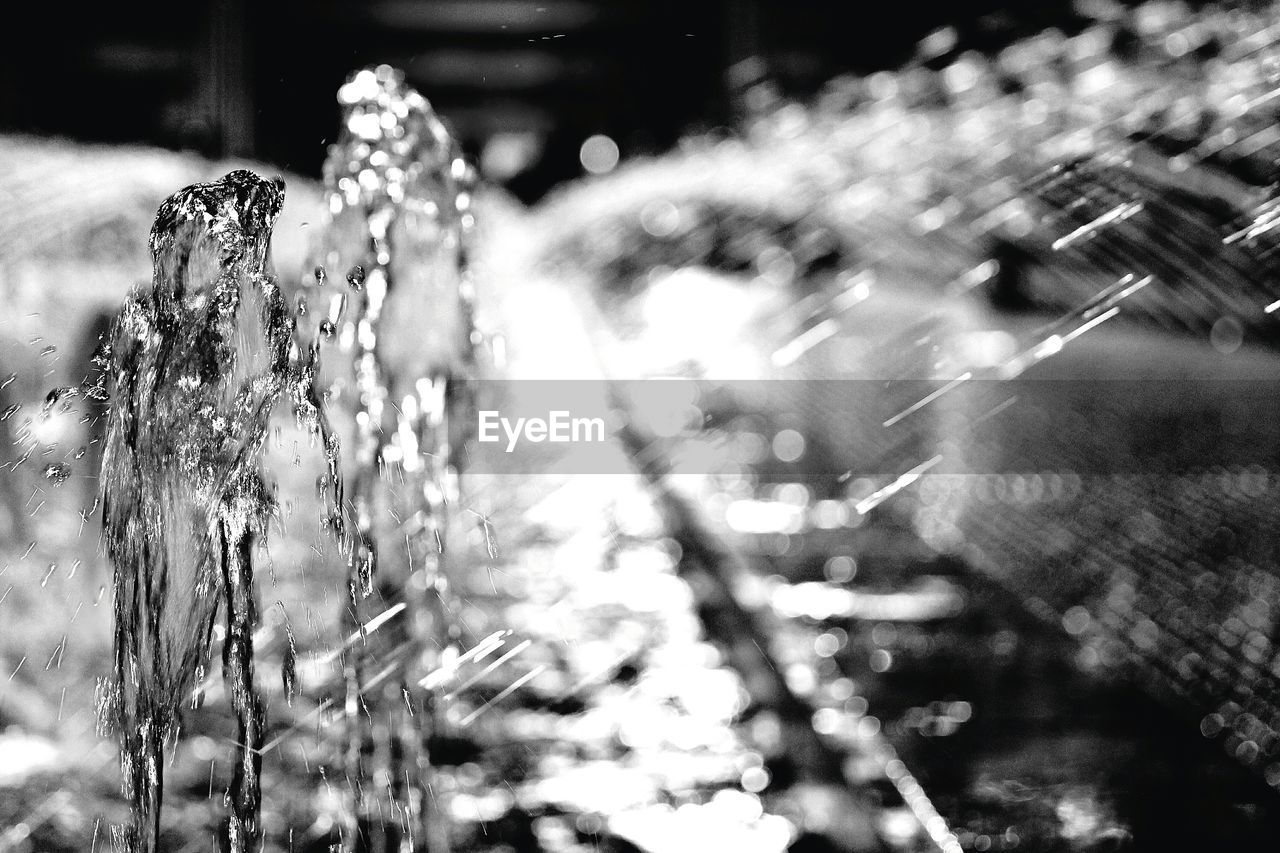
{"type": "Point", "coordinates": [394, 250]}
{"type": "Point", "coordinates": [196, 363]}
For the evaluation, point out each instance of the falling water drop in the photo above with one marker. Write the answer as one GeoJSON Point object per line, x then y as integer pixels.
{"type": "Point", "coordinates": [56, 396]}
{"type": "Point", "coordinates": [366, 565]}
{"type": "Point", "coordinates": [197, 695]}
{"type": "Point", "coordinates": [355, 278]}
{"type": "Point", "coordinates": [57, 472]}
{"type": "Point", "coordinates": [289, 665]}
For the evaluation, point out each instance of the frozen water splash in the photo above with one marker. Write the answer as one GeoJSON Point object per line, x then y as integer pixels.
{"type": "Point", "coordinates": [195, 363]}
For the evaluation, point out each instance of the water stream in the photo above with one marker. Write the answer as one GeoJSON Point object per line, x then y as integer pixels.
{"type": "Point", "coordinates": [195, 364]}
{"type": "Point", "coordinates": [399, 312]}
{"type": "Point", "coordinates": [190, 373]}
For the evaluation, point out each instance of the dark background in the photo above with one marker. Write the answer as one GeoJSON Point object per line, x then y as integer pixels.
{"type": "Point", "coordinates": [236, 77]}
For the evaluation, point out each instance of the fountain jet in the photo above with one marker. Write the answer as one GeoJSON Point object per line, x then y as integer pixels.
{"type": "Point", "coordinates": [197, 362]}
{"type": "Point", "coordinates": [399, 202]}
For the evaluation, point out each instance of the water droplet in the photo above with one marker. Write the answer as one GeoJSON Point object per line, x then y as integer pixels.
{"type": "Point", "coordinates": [1227, 335]}
{"type": "Point", "coordinates": [197, 695]}
{"type": "Point", "coordinates": [57, 395]}
{"type": "Point", "coordinates": [337, 306]}
{"type": "Point", "coordinates": [355, 278]}
{"type": "Point", "coordinates": [57, 472]}
{"type": "Point", "coordinates": [366, 560]}
{"type": "Point", "coordinates": [289, 667]}
{"type": "Point", "coordinates": [320, 276]}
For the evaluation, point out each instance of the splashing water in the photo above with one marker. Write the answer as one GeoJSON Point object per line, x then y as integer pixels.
{"type": "Point", "coordinates": [399, 197]}
{"type": "Point", "coordinates": [197, 361]}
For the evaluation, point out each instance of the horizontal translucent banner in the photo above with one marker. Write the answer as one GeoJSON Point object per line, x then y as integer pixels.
{"type": "Point", "coordinates": [872, 428]}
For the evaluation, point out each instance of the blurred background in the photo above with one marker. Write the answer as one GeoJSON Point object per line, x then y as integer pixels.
{"type": "Point", "coordinates": [523, 83]}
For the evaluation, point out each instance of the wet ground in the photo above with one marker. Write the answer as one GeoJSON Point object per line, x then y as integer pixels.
{"type": "Point", "coordinates": [1022, 735]}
